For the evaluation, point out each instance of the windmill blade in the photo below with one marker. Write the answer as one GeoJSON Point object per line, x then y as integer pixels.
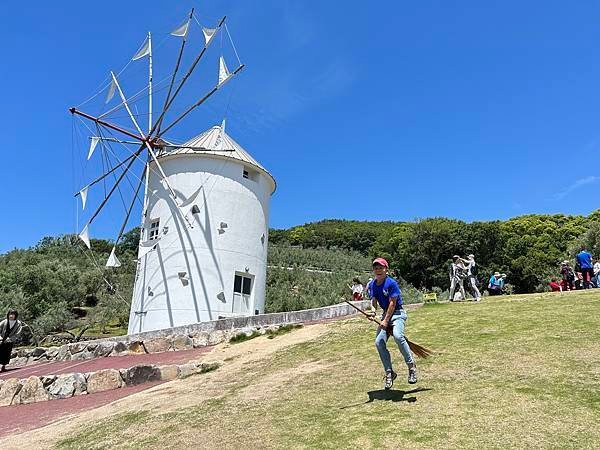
{"type": "Point", "coordinates": [93, 143]}
{"type": "Point", "coordinates": [182, 82]}
{"type": "Point", "coordinates": [97, 180]}
{"type": "Point", "coordinates": [168, 97]}
{"type": "Point", "coordinates": [202, 100]}
{"type": "Point", "coordinates": [83, 194]}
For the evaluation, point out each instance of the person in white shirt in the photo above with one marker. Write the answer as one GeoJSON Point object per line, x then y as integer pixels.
{"type": "Point", "coordinates": [357, 289]}
{"type": "Point", "coordinates": [470, 262]}
{"type": "Point", "coordinates": [458, 272]}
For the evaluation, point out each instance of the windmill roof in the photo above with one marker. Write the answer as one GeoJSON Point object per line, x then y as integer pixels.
{"type": "Point", "coordinates": [216, 142]}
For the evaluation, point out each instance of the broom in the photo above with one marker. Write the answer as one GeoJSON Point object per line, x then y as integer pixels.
{"type": "Point", "coordinates": [419, 350]}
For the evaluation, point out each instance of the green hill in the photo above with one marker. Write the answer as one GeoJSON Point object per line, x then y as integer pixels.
{"type": "Point", "coordinates": [510, 372]}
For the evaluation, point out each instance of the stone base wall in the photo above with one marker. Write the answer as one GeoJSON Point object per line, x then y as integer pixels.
{"type": "Point", "coordinates": [14, 391]}
{"type": "Point", "coordinates": [179, 338]}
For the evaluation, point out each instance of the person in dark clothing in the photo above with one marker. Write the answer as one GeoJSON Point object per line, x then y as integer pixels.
{"type": "Point", "coordinates": [568, 276]}
{"type": "Point", "coordinates": [10, 329]}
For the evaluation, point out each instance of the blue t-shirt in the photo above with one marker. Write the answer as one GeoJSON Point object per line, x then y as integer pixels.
{"type": "Point", "coordinates": [385, 291]}
{"type": "Point", "coordinates": [584, 259]}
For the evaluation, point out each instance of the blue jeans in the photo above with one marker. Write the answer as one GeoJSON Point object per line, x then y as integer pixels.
{"type": "Point", "coordinates": [398, 320]}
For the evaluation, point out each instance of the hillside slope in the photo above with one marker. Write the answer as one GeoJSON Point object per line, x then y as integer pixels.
{"type": "Point", "coordinates": [511, 372]}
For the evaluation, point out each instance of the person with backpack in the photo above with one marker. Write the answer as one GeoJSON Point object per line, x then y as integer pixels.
{"type": "Point", "coordinates": [495, 284]}
{"type": "Point", "coordinates": [385, 292]}
{"type": "Point", "coordinates": [458, 273]}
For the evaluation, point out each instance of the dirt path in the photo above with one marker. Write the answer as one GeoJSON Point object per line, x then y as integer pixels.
{"type": "Point", "coordinates": [173, 395]}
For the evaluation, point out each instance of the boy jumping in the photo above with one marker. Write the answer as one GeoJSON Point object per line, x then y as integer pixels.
{"type": "Point", "coordinates": [384, 289]}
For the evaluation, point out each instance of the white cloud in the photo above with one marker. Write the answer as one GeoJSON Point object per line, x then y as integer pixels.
{"type": "Point", "coordinates": [579, 183]}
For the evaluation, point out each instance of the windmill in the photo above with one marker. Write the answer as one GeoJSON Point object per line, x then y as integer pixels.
{"type": "Point", "coordinates": [205, 202]}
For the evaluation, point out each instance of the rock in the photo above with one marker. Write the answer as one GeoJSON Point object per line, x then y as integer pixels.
{"type": "Point", "coordinates": [9, 391]}
{"type": "Point", "coordinates": [200, 339]}
{"type": "Point", "coordinates": [103, 380]}
{"type": "Point", "coordinates": [77, 347]}
{"type": "Point", "coordinates": [168, 373]}
{"type": "Point", "coordinates": [136, 347]}
{"type": "Point", "coordinates": [52, 352]}
{"type": "Point", "coordinates": [119, 348]}
{"type": "Point", "coordinates": [189, 369]}
{"type": "Point", "coordinates": [32, 391]}
{"type": "Point", "coordinates": [18, 362]}
{"type": "Point", "coordinates": [37, 352]}
{"type": "Point", "coordinates": [104, 349]}
{"type": "Point", "coordinates": [218, 336]}
{"type": "Point", "coordinates": [141, 374]}
{"type": "Point", "coordinates": [91, 347]}
{"type": "Point", "coordinates": [182, 342]}
{"type": "Point", "coordinates": [82, 356]}
{"type": "Point", "coordinates": [63, 353]}
{"type": "Point", "coordinates": [158, 345]}
{"type": "Point", "coordinates": [47, 380]}
{"type": "Point", "coordinates": [68, 385]}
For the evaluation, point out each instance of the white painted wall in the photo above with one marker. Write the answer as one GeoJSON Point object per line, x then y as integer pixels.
{"type": "Point", "coordinates": [209, 254]}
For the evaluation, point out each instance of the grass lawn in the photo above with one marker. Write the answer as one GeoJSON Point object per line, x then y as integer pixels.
{"type": "Point", "coordinates": [509, 372]}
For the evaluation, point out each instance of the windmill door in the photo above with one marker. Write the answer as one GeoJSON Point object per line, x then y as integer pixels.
{"type": "Point", "coordinates": [242, 293]}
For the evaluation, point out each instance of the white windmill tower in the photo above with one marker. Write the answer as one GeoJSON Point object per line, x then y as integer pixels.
{"type": "Point", "coordinates": [203, 244]}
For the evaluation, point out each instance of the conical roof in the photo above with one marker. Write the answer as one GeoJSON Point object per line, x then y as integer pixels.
{"type": "Point", "coordinates": [216, 142]}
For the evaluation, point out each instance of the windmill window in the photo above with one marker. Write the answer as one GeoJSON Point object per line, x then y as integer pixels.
{"type": "Point", "coordinates": [154, 229]}
{"type": "Point", "coordinates": [242, 285]}
{"type": "Point", "coordinates": [250, 174]}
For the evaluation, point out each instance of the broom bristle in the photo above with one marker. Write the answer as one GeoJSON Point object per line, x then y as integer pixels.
{"type": "Point", "coordinates": [419, 350]}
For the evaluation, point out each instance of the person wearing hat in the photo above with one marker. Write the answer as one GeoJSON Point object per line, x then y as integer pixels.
{"type": "Point", "coordinates": [385, 292]}
{"type": "Point", "coordinates": [10, 329]}
{"type": "Point", "coordinates": [472, 279]}
{"type": "Point", "coordinates": [494, 286]}
{"type": "Point", "coordinates": [568, 276]}
{"type": "Point", "coordinates": [458, 273]}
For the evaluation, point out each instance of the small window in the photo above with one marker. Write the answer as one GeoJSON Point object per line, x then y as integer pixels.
{"type": "Point", "coordinates": [250, 174]}
{"type": "Point", "coordinates": [154, 225]}
{"type": "Point", "coordinates": [242, 285]}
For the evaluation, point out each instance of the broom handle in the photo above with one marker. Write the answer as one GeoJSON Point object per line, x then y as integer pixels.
{"type": "Point", "coordinates": [373, 318]}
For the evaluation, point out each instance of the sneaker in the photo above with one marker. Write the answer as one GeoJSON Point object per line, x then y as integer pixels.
{"type": "Point", "coordinates": [388, 379]}
{"type": "Point", "coordinates": [412, 374]}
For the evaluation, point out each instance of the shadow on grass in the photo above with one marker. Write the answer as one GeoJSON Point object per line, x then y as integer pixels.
{"type": "Point", "coordinates": [392, 395]}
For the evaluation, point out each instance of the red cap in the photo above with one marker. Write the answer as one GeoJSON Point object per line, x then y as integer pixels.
{"type": "Point", "coordinates": [381, 262]}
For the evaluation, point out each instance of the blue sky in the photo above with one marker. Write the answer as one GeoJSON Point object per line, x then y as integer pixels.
{"type": "Point", "coordinates": [371, 111]}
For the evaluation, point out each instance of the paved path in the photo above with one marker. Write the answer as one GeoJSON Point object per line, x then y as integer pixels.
{"type": "Point", "coordinates": [17, 419]}
{"type": "Point", "coordinates": [112, 362]}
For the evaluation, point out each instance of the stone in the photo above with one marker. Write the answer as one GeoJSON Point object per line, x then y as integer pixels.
{"type": "Point", "coordinates": [81, 356]}
{"type": "Point", "coordinates": [9, 391]}
{"type": "Point", "coordinates": [119, 348]}
{"type": "Point", "coordinates": [47, 380]}
{"type": "Point", "coordinates": [169, 372]}
{"type": "Point", "coordinates": [92, 346]}
{"type": "Point", "coordinates": [32, 391]}
{"type": "Point", "coordinates": [218, 336]}
{"type": "Point", "coordinates": [103, 380]}
{"type": "Point", "coordinates": [37, 352]}
{"type": "Point", "coordinates": [200, 339]}
{"type": "Point", "coordinates": [52, 352]}
{"type": "Point", "coordinates": [136, 347]}
{"type": "Point", "coordinates": [158, 345]}
{"type": "Point", "coordinates": [18, 362]}
{"type": "Point", "coordinates": [63, 353]}
{"type": "Point", "coordinates": [77, 347]}
{"type": "Point", "coordinates": [68, 385]}
{"type": "Point", "coordinates": [182, 342]}
{"type": "Point", "coordinates": [104, 349]}
{"type": "Point", "coordinates": [189, 369]}
{"type": "Point", "coordinates": [141, 374]}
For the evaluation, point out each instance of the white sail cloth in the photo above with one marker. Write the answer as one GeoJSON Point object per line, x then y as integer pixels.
{"type": "Point", "coordinates": [145, 50]}
{"type": "Point", "coordinates": [181, 30]}
{"type": "Point", "coordinates": [113, 261]}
